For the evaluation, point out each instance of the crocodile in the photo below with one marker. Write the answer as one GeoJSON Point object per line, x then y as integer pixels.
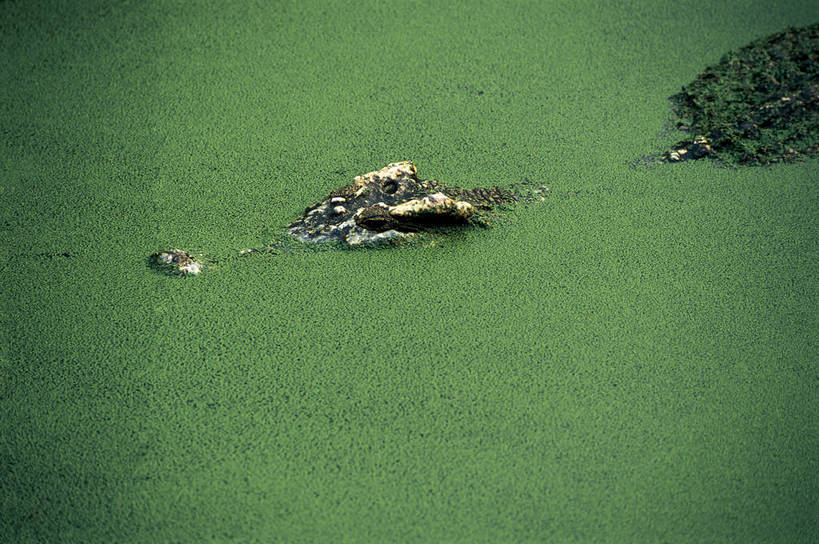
{"type": "Point", "coordinates": [390, 204]}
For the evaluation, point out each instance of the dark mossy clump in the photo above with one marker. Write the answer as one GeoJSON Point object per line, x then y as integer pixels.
{"type": "Point", "coordinates": [759, 105]}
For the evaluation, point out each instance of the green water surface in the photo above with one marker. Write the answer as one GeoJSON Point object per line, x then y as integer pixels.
{"type": "Point", "coordinates": [632, 360]}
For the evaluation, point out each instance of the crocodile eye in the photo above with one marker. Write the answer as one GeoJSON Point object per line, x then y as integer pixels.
{"type": "Point", "coordinates": [389, 187]}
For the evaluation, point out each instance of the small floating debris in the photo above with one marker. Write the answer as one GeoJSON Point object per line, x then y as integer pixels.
{"type": "Point", "coordinates": [177, 262]}
{"type": "Point", "coordinates": [391, 204]}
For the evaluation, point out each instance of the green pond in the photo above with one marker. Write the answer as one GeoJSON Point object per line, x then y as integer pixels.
{"type": "Point", "coordinates": [633, 359]}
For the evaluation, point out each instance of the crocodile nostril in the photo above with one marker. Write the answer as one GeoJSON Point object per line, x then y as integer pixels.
{"type": "Point", "coordinates": [389, 187]}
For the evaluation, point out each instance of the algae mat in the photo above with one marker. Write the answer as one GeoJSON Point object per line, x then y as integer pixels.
{"type": "Point", "coordinates": [632, 360]}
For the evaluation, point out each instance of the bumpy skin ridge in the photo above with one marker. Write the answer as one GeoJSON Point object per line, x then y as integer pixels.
{"type": "Point", "coordinates": [388, 204]}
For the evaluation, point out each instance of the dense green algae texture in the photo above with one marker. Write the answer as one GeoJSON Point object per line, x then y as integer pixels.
{"type": "Point", "coordinates": [760, 104]}
{"type": "Point", "coordinates": [632, 360]}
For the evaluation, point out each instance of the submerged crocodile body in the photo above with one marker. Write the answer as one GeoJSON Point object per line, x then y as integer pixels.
{"type": "Point", "coordinates": [385, 205]}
